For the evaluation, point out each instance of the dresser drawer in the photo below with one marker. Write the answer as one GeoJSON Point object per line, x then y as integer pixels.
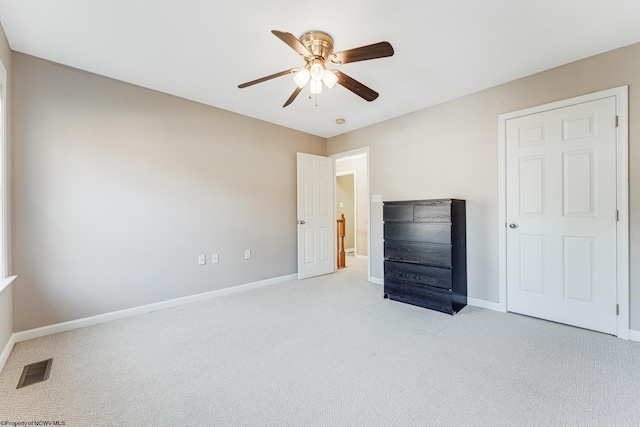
{"type": "Point", "coordinates": [433, 254]}
{"type": "Point", "coordinates": [391, 212]}
{"type": "Point", "coordinates": [432, 212]}
{"type": "Point", "coordinates": [418, 232]}
{"type": "Point", "coordinates": [420, 295]}
{"type": "Point", "coordinates": [418, 273]}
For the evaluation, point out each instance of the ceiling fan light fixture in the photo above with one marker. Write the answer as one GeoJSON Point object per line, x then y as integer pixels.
{"type": "Point", "coordinates": [329, 78]}
{"type": "Point", "coordinates": [301, 78]}
{"type": "Point", "coordinates": [315, 87]}
{"type": "Point", "coordinates": [317, 70]}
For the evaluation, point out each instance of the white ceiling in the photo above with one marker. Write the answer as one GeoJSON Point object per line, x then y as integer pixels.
{"type": "Point", "coordinates": [202, 49]}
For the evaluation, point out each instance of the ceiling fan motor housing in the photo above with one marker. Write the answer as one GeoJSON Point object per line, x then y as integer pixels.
{"type": "Point", "coordinates": [319, 43]}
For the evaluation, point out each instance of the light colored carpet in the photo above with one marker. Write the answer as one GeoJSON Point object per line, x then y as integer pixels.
{"type": "Point", "coordinates": [328, 351]}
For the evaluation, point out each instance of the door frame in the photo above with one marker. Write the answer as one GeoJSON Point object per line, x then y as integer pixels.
{"type": "Point", "coordinates": [357, 151]}
{"type": "Point", "coordinates": [622, 198]}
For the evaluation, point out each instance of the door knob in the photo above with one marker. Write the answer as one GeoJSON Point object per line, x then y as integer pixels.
{"type": "Point", "coordinates": [301, 222]}
{"type": "Point", "coordinates": [513, 225]}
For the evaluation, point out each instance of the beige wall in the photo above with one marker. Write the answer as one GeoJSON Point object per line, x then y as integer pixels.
{"type": "Point", "coordinates": [451, 150]}
{"type": "Point", "coordinates": [6, 296]}
{"type": "Point", "coordinates": [117, 189]}
{"type": "Point", "coordinates": [359, 165]}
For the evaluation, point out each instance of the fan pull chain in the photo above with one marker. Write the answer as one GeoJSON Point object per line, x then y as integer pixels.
{"type": "Point", "coordinates": [312, 97]}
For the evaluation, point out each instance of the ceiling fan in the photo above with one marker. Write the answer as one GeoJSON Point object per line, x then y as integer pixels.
{"type": "Point", "coordinates": [316, 47]}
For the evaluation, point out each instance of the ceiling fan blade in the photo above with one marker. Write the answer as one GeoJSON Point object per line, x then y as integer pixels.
{"type": "Point", "coordinates": [264, 79]}
{"type": "Point", "coordinates": [293, 96]}
{"type": "Point", "coordinates": [355, 86]}
{"type": "Point", "coordinates": [293, 42]}
{"type": "Point", "coordinates": [363, 53]}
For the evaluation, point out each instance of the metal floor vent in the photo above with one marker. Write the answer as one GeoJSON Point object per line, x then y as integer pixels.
{"type": "Point", "coordinates": [35, 373]}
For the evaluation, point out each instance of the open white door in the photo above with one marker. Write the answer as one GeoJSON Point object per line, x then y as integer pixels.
{"type": "Point", "coordinates": [316, 225]}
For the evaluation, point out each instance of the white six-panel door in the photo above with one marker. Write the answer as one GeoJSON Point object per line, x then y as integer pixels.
{"type": "Point", "coordinates": [316, 215]}
{"type": "Point", "coordinates": [561, 215]}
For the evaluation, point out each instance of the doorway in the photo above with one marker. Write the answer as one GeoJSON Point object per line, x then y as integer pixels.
{"type": "Point", "coordinates": [352, 171]}
{"type": "Point", "coordinates": [346, 196]}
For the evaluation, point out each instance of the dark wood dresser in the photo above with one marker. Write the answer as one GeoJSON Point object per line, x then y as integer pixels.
{"type": "Point", "coordinates": [425, 253]}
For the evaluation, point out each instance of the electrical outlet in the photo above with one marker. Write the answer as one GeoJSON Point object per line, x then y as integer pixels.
{"type": "Point", "coordinates": [247, 254]}
{"type": "Point", "coordinates": [202, 259]}
{"type": "Point", "coordinates": [214, 258]}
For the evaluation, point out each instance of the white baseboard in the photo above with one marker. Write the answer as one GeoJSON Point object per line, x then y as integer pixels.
{"type": "Point", "coordinates": [121, 314]}
{"type": "Point", "coordinates": [376, 280]}
{"type": "Point", "coordinates": [7, 351]}
{"type": "Point", "coordinates": [634, 335]}
{"type": "Point", "coordinates": [489, 305]}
